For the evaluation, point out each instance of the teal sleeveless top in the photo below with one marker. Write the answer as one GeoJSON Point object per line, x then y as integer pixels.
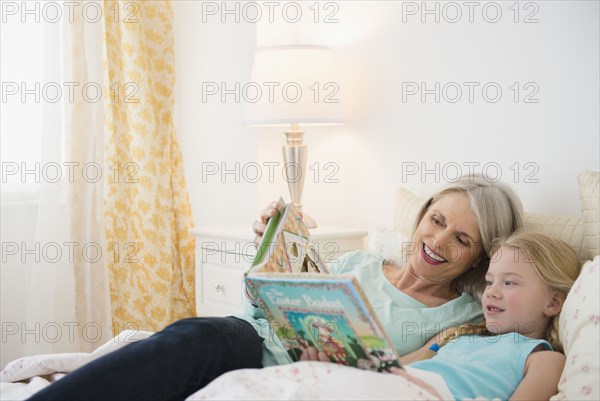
{"type": "Point", "coordinates": [482, 366]}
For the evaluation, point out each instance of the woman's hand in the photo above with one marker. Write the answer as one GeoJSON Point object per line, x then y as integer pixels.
{"type": "Point", "coordinates": [425, 386]}
{"type": "Point", "coordinates": [311, 354]}
{"type": "Point", "coordinates": [259, 226]}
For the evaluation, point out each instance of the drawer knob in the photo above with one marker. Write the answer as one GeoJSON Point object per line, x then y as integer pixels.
{"type": "Point", "coordinates": [219, 288]}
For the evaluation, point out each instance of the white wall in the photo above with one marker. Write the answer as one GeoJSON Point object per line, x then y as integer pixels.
{"type": "Point", "coordinates": [211, 133]}
{"type": "Point", "coordinates": [378, 52]}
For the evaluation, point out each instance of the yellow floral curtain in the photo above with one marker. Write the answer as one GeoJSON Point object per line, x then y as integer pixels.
{"type": "Point", "coordinates": [147, 210]}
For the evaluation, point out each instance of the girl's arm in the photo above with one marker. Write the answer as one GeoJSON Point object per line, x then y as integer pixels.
{"type": "Point", "coordinates": [541, 375]}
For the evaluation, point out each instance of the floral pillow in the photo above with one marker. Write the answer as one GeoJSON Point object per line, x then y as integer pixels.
{"type": "Point", "coordinates": [579, 331]}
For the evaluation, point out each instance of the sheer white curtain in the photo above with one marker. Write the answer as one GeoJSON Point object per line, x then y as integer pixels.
{"type": "Point", "coordinates": [51, 286]}
{"type": "Point", "coordinates": [84, 125]}
{"type": "Point", "coordinates": [54, 281]}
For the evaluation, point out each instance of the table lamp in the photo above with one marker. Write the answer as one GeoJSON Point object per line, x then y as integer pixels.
{"type": "Point", "coordinates": [294, 86]}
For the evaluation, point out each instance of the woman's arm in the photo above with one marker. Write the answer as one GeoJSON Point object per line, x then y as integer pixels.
{"type": "Point", "coordinates": [540, 379]}
{"type": "Point", "coordinates": [418, 354]}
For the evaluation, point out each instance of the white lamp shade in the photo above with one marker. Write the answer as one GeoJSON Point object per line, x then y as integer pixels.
{"type": "Point", "coordinates": [293, 84]}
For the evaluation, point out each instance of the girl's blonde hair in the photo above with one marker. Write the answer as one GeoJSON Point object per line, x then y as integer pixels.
{"type": "Point", "coordinates": [554, 261]}
{"type": "Point", "coordinates": [498, 212]}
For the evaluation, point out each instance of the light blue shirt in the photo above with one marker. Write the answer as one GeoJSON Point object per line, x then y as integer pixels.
{"type": "Point", "coordinates": [482, 366]}
{"type": "Point", "coordinates": [408, 323]}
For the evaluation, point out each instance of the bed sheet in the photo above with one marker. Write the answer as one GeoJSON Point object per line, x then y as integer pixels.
{"type": "Point", "coordinates": [318, 381]}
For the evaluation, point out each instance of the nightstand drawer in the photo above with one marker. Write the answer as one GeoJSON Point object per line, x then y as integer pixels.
{"type": "Point", "coordinates": [212, 254]}
{"type": "Point", "coordinates": [223, 254]}
{"type": "Point", "coordinates": [222, 284]}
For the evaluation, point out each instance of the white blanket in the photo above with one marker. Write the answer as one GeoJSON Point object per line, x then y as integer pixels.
{"type": "Point", "coordinates": [26, 376]}
{"type": "Point", "coordinates": [299, 381]}
{"type": "Point", "coordinates": [319, 381]}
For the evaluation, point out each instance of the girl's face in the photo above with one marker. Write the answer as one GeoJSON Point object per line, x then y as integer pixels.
{"type": "Point", "coordinates": [515, 297]}
{"type": "Point", "coordinates": [447, 239]}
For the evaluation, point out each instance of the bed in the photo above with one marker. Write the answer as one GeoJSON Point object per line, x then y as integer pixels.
{"type": "Point", "coordinates": [579, 331]}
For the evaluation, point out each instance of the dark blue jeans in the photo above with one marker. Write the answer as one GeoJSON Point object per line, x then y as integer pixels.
{"type": "Point", "coordinates": [169, 365]}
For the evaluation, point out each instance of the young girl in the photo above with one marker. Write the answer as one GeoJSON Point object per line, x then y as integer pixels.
{"type": "Point", "coordinates": [515, 354]}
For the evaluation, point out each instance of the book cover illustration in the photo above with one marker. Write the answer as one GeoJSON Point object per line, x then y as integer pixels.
{"type": "Point", "coordinates": [286, 245]}
{"type": "Point", "coordinates": [329, 313]}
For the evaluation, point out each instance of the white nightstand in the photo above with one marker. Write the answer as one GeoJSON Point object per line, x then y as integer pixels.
{"type": "Point", "coordinates": [223, 254]}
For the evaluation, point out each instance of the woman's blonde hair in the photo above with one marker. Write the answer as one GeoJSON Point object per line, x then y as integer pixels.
{"type": "Point", "coordinates": [554, 261]}
{"type": "Point", "coordinates": [498, 212]}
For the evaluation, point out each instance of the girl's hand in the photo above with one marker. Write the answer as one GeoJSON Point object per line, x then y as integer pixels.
{"type": "Point", "coordinates": [259, 226]}
{"type": "Point", "coordinates": [311, 354]}
{"type": "Point", "coordinates": [417, 381]}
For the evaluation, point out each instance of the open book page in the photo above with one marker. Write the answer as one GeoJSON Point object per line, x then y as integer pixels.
{"type": "Point", "coordinates": [328, 312]}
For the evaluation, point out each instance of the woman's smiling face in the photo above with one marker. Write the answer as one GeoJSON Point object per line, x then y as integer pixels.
{"type": "Point", "coordinates": [447, 239]}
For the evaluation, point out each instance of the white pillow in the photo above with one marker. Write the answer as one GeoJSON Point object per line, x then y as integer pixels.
{"type": "Point", "coordinates": [407, 209]}
{"type": "Point", "coordinates": [589, 197]}
{"type": "Point", "coordinates": [579, 331]}
{"type": "Point", "coordinates": [389, 243]}
{"type": "Point", "coordinates": [581, 231]}
{"type": "Point", "coordinates": [567, 228]}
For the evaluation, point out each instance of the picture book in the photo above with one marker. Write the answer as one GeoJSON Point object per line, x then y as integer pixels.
{"type": "Point", "coordinates": [328, 312]}
{"type": "Point", "coordinates": [286, 246]}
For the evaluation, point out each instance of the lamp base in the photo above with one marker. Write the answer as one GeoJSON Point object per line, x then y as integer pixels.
{"type": "Point", "coordinates": [294, 156]}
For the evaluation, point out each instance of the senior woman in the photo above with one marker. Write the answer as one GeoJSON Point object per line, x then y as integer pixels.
{"type": "Point", "coordinates": [430, 292]}
{"type": "Point", "coordinates": [439, 285]}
